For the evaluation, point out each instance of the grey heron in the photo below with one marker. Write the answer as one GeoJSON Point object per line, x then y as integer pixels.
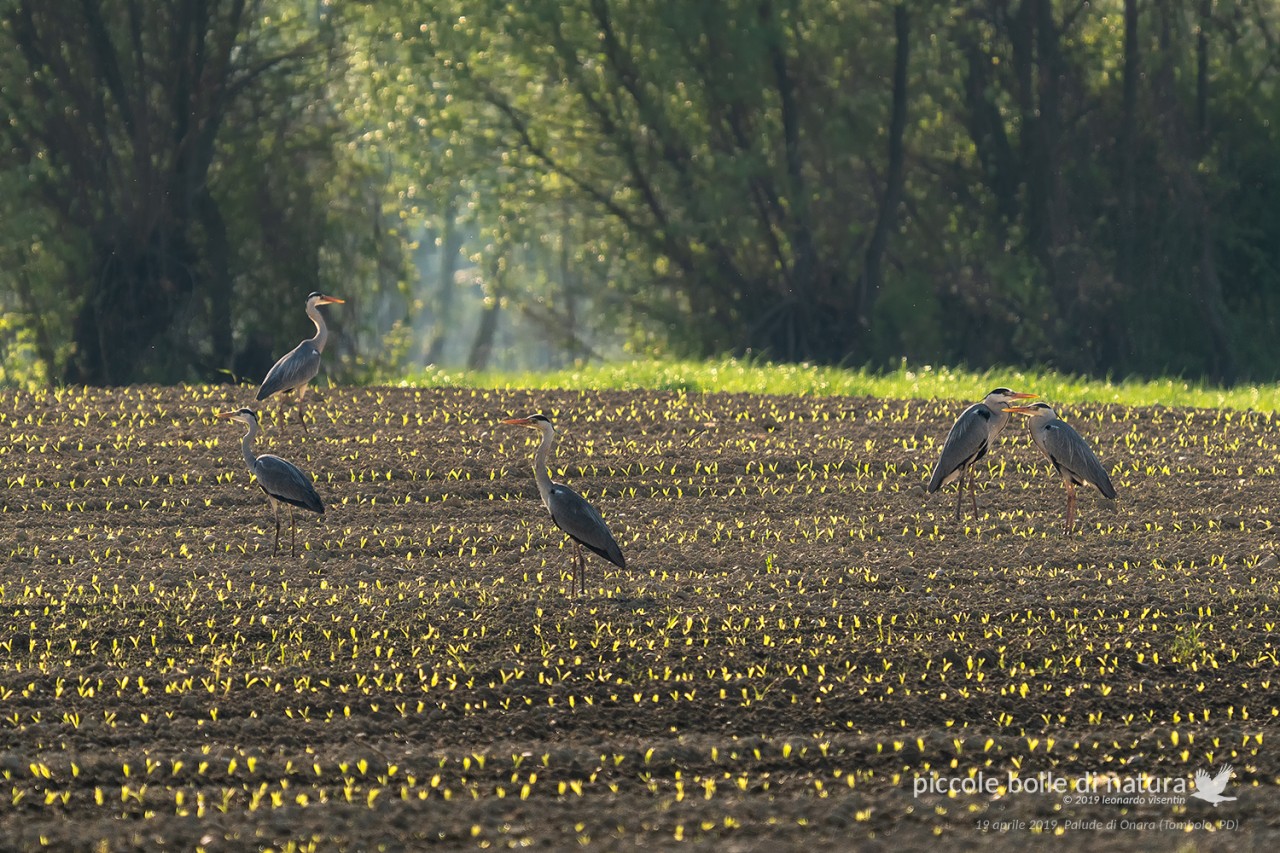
{"type": "Point", "coordinates": [971, 436]}
{"type": "Point", "coordinates": [1070, 455]}
{"type": "Point", "coordinates": [301, 364]}
{"type": "Point", "coordinates": [569, 510]}
{"type": "Point", "coordinates": [280, 480]}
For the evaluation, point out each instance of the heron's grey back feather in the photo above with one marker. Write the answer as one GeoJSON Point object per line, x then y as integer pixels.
{"type": "Point", "coordinates": [294, 369]}
{"type": "Point", "coordinates": [971, 436]}
{"type": "Point", "coordinates": [1071, 455]}
{"type": "Point", "coordinates": [283, 481]}
{"type": "Point", "coordinates": [574, 515]}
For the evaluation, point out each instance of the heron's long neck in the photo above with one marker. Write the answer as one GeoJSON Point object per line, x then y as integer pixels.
{"type": "Point", "coordinates": [246, 445]}
{"type": "Point", "coordinates": [999, 420]}
{"type": "Point", "coordinates": [1039, 422]}
{"type": "Point", "coordinates": [322, 331]}
{"type": "Point", "coordinates": [541, 459]}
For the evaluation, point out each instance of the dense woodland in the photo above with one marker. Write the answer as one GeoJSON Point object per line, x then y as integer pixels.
{"type": "Point", "coordinates": [1090, 186]}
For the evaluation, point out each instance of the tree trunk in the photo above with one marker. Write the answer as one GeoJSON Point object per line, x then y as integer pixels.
{"type": "Point", "coordinates": [1001, 169]}
{"type": "Point", "coordinates": [798, 276]}
{"type": "Point", "coordinates": [128, 309]}
{"type": "Point", "coordinates": [1224, 364]}
{"type": "Point", "coordinates": [1224, 361]}
{"type": "Point", "coordinates": [1115, 340]}
{"type": "Point", "coordinates": [570, 287]}
{"type": "Point", "coordinates": [218, 280]}
{"type": "Point", "coordinates": [482, 346]}
{"type": "Point", "coordinates": [1044, 181]}
{"type": "Point", "coordinates": [872, 268]}
{"type": "Point", "coordinates": [446, 286]}
{"type": "Point", "coordinates": [1128, 148]}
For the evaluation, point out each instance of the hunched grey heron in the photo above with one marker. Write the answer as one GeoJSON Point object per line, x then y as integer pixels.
{"type": "Point", "coordinates": [569, 510]}
{"type": "Point", "coordinates": [300, 365]}
{"type": "Point", "coordinates": [1070, 454]}
{"type": "Point", "coordinates": [282, 481]}
{"type": "Point", "coordinates": [971, 436]}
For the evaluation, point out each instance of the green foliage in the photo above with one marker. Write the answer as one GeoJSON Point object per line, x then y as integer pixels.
{"type": "Point", "coordinates": [204, 174]}
{"type": "Point", "coordinates": [905, 382]}
{"type": "Point", "coordinates": [985, 183]}
{"type": "Point", "coordinates": [1188, 646]}
{"type": "Point", "coordinates": [736, 218]}
{"type": "Point", "coordinates": [34, 334]}
{"type": "Point", "coordinates": [709, 158]}
{"type": "Point", "coordinates": [20, 364]}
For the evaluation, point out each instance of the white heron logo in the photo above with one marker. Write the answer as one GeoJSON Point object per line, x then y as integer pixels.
{"type": "Point", "coordinates": [1210, 788]}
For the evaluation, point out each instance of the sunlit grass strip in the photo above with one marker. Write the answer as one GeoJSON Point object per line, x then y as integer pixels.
{"type": "Point", "coordinates": [905, 382]}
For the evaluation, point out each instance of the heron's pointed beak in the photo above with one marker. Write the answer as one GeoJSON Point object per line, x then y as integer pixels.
{"type": "Point", "coordinates": [517, 421]}
{"type": "Point", "coordinates": [1018, 395]}
{"type": "Point", "coordinates": [225, 414]}
{"type": "Point", "coordinates": [327, 300]}
{"type": "Point", "coordinates": [1021, 410]}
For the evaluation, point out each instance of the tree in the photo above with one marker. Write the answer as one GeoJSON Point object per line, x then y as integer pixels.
{"type": "Point", "coordinates": [131, 121]}
{"type": "Point", "coordinates": [1083, 184]}
{"type": "Point", "coordinates": [722, 151]}
{"type": "Point", "coordinates": [1102, 137]}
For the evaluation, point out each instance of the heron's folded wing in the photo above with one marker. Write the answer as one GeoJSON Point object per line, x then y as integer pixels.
{"type": "Point", "coordinates": [966, 442]}
{"type": "Point", "coordinates": [285, 482]}
{"type": "Point", "coordinates": [297, 367]}
{"type": "Point", "coordinates": [574, 515]}
{"type": "Point", "coordinates": [1072, 454]}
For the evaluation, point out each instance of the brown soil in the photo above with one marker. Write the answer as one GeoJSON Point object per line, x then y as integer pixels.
{"type": "Point", "coordinates": [802, 637]}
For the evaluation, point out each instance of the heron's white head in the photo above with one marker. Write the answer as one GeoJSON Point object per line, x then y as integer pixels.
{"type": "Point", "coordinates": [1003, 396]}
{"type": "Point", "coordinates": [245, 416]}
{"type": "Point", "coordinates": [1035, 410]}
{"type": "Point", "coordinates": [318, 298]}
{"type": "Point", "coordinates": [538, 422]}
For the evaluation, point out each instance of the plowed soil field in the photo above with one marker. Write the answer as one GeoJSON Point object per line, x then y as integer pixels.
{"type": "Point", "coordinates": [804, 651]}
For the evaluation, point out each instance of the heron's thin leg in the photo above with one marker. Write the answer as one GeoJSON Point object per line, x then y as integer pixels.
{"type": "Point", "coordinates": [1071, 505]}
{"type": "Point", "coordinates": [573, 573]}
{"type": "Point", "coordinates": [960, 494]}
{"type": "Point", "coordinates": [573, 578]}
{"type": "Point", "coordinates": [973, 493]}
{"type": "Point", "coordinates": [293, 533]}
{"type": "Point", "coordinates": [275, 509]}
{"type": "Point", "coordinates": [302, 418]}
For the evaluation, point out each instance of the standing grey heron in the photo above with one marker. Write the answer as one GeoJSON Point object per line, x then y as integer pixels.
{"type": "Point", "coordinates": [971, 436]}
{"type": "Point", "coordinates": [281, 480]}
{"type": "Point", "coordinates": [569, 510]}
{"type": "Point", "coordinates": [301, 364]}
{"type": "Point", "coordinates": [1068, 452]}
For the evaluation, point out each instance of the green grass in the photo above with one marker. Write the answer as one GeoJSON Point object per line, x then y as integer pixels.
{"type": "Point", "coordinates": [906, 382]}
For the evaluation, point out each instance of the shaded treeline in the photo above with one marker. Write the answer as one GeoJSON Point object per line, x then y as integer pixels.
{"type": "Point", "coordinates": [1087, 186]}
